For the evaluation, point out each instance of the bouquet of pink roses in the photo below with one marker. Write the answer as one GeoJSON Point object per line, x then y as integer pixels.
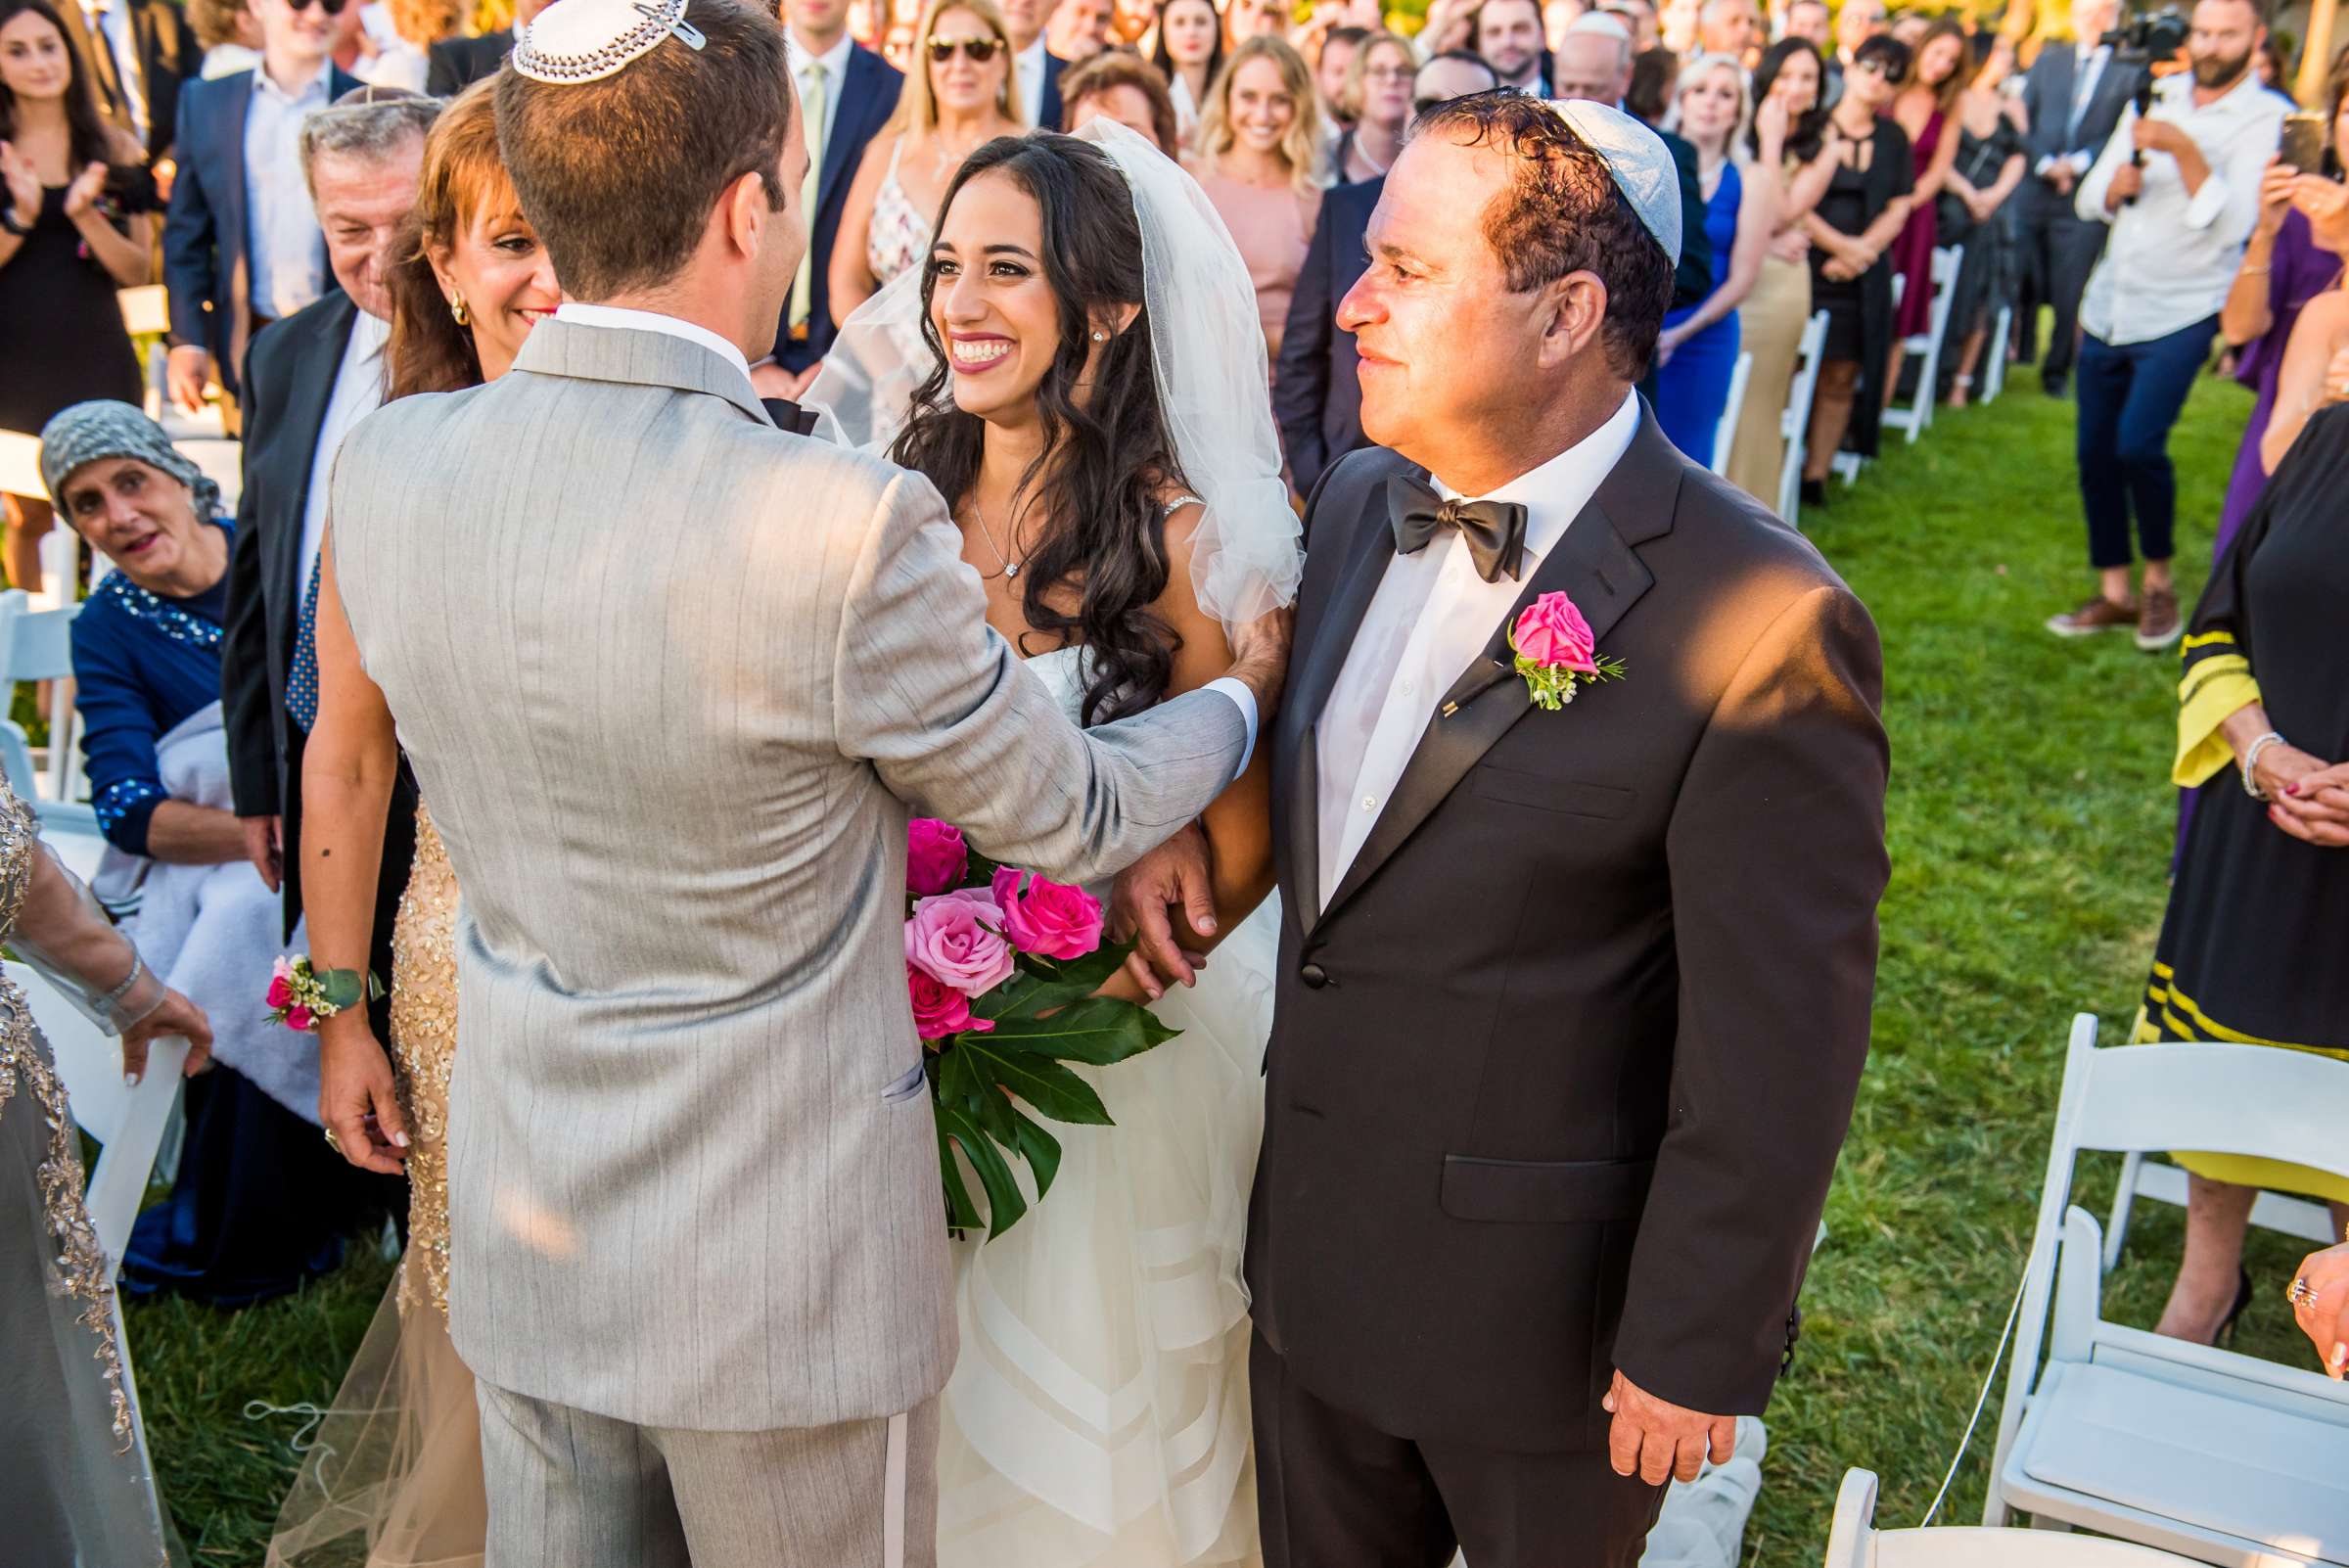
{"type": "Point", "coordinates": [1003, 966]}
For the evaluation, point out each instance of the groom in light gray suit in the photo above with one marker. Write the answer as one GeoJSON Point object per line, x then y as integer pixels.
{"type": "Point", "coordinates": [672, 680]}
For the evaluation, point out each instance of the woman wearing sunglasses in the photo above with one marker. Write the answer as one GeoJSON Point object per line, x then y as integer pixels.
{"type": "Point", "coordinates": [960, 94]}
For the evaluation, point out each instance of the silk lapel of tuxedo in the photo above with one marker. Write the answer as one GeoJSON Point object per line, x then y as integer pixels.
{"type": "Point", "coordinates": [1593, 565]}
{"type": "Point", "coordinates": [1370, 549]}
{"type": "Point", "coordinates": [316, 366]}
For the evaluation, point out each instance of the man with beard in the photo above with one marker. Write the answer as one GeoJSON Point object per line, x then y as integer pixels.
{"type": "Point", "coordinates": [2180, 186]}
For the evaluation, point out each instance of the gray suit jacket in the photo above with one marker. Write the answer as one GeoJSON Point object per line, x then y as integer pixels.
{"type": "Point", "coordinates": [672, 682]}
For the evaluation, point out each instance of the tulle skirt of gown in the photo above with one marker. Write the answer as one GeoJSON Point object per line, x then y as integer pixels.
{"type": "Point", "coordinates": [1099, 1412]}
{"type": "Point", "coordinates": [394, 1477]}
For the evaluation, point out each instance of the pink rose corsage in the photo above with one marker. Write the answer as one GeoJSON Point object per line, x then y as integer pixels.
{"type": "Point", "coordinates": [1556, 653]}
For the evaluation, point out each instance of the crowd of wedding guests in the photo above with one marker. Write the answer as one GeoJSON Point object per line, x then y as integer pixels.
{"type": "Point", "coordinates": [266, 161]}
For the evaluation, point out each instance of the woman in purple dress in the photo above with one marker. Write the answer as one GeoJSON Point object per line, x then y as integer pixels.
{"type": "Point", "coordinates": [1926, 109]}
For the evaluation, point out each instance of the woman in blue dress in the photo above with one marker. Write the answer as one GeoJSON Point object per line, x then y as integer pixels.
{"type": "Point", "coordinates": [1699, 349]}
{"type": "Point", "coordinates": [260, 1202]}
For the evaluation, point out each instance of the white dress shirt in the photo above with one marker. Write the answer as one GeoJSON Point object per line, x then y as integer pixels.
{"type": "Point", "coordinates": [2171, 257]}
{"type": "Point", "coordinates": [358, 391]}
{"type": "Point", "coordinates": [113, 20]}
{"type": "Point", "coordinates": [835, 62]}
{"type": "Point", "coordinates": [1031, 71]}
{"type": "Point", "coordinates": [1431, 618]}
{"type": "Point", "coordinates": [285, 251]}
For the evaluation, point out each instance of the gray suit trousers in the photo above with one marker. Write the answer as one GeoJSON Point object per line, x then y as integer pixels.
{"type": "Point", "coordinates": [571, 1489]}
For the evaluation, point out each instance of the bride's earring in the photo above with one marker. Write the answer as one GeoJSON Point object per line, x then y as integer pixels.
{"type": "Point", "coordinates": [457, 308]}
{"type": "Point", "coordinates": [1100, 337]}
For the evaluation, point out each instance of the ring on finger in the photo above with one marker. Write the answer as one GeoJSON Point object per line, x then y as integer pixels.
{"type": "Point", "coordinates": [2302, 1293]}
{"type": "Point", "coordinates": [334, 1140]}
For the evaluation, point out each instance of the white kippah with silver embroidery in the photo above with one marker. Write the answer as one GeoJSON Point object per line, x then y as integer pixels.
{"type": "Point", "coordinates": [588, 41]}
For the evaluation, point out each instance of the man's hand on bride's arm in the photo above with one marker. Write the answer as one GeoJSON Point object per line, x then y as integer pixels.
{"type": "Point", "coordinates": [1260, 658]}
{"type": "Point", "coordinates": [1656, 1440]}
{"type": "Point", "coordinates": [1179, 874]}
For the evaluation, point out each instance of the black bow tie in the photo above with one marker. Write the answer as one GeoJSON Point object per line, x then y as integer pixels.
{"type": "Point", "coordinates": [789, 416]}
{"type": "Point", "coordinates": [1494, 530]}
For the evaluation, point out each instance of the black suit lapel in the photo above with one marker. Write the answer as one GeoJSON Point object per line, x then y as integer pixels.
{"type": "Point", "coordinates": [1371, 547]}
{"type": "Point", "coordinates": [310, 387]}
{"type": "Point", "coordinates": [857, 92]}
{"type": "Point", "coordinates": [1595, 567]}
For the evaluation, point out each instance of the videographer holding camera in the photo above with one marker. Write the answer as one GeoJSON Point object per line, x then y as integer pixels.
{"type": "Point", "coordinates": [2179, 183]}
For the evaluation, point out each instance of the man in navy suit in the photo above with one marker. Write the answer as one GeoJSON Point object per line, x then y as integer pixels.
{"type": "Point", "coordinates": [2074, 93]}
{"type": "Point", "coordinates": [242, 247]}
{"type": "Point", "coordinates": [847, 94]}
{"type": "Point", "coordinates": [1508, 33]}
{"type": "Point", "coordinates": [1037, 67]}
{"type": "Point", "coordinates": [1317, 395]}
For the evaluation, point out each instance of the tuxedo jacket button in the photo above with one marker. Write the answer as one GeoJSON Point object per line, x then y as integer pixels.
{"type": "Point", "coordinates": [1315, 976]}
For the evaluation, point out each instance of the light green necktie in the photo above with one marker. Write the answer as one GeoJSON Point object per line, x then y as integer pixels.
{"type": "Point", "coordinates": [811, 105]}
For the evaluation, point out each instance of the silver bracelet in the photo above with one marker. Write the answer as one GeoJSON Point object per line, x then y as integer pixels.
{"type": "Point", "coordinates": [2251, 763]}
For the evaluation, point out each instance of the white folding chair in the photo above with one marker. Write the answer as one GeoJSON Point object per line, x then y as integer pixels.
{"type": "Point", "coordinates": [1994, 361]}
{"type": "Point", "coordinates": [1924, 347]}
{"type": "Point", "coordinates": [2162, 1182]}
{"type": "Point", "coordinates": [146, 310]}
{"type": "Point", "coordinates": [1795, 422]}
{"type": "Point", "coordinates": [38, 645]}
{"type": "Point", "coordinates": [2218, 1456]}
{"type": "Point", "coordinates": [1855, 1541]}
{"type": "Point", "coordinates": [21, 465]}
{"type": "Point", "coordinates": [128, 1123]}
{"type": "Point", "coordinates": [1725, 435]}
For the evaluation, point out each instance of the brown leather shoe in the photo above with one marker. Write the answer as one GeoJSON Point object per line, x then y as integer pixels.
{"type": "Point", "coordinates": [2160, 625]}
{"type": "Point", "coordinates": [2099, 614]}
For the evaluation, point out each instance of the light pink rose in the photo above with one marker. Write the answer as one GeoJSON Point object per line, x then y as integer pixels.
{"type": "Point", "coordinates": [936, 857]}
{"type": "Point", "coordinates": [1552, 631]}
{"type": "Point", "coordinates": [1049, 919]}
{"type": "Point", "coordinates": [957, 938]}
{"type": "Point", "coordinates": [939, 1009]}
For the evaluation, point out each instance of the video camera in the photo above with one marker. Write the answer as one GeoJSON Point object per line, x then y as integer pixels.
{"type": "Point", "coordinates": [2142, 40]}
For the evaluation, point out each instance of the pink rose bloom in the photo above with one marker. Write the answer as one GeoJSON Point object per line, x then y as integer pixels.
{"type": "Point", "coordinates": [936, 857]}
{"type": "Point", "coordinates": [1552, 631]}
{"type": "Point", "coordinates": [280, 993]}
{"type": "Point", "coordinates": [957, 940]}
{"type": "Point", "coordinates": [300, 1019]}
{"type": "Point", "coordinates": [1050, 919]}
{"type": "Point", "coordinates": [939, 1009]}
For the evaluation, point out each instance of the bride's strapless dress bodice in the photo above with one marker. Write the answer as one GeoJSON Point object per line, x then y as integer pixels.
{"type": "Point", "coordinates": [1099, 1415]}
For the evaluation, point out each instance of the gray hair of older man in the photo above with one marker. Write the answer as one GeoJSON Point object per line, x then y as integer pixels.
{"type": "Point", "coordinates": [369, 123]}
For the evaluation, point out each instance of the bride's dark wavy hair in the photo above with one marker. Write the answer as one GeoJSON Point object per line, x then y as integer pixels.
{"type": "Point", "coordinates": [1107, 456]}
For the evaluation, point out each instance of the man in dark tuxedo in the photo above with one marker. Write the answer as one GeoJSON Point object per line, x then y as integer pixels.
{"type": "Point", "coordinates": [1508, 34]}
{"type": "Point", "coordinates": [135, 53]}
{"type": "Point", "coordinates": [309, 379]}
{"type": "Point", "coordinates": [2074, 94]}
{"type": "Point", "coordinates": [848, 93]}
{"type": "Point", "coordinates": [1315, 396]}
{"type": "Point", "coordinates": [1572, 1002]}
{"type": "Point", "coordinates": [455, 63]}
{"type": "Point", "coordinates": [242, 246]}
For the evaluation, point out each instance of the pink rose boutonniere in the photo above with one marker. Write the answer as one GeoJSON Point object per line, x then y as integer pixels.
{"type": "Point", "coordinates": [1556, 653]}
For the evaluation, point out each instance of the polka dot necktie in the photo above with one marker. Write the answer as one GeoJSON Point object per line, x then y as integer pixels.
{"type": "Point", "coordinates": [302, 681]}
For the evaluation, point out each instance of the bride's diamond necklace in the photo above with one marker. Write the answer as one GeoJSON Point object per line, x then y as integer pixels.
{"type": "Point", "coordinates": [1011, 567]}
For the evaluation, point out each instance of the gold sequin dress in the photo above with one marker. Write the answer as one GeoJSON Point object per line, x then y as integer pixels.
{"type": "Point", "coordinates": [396, 1468]}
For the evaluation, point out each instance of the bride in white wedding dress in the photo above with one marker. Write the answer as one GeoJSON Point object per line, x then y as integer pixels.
{"type": "Point", "coordinates": [1079, 370]}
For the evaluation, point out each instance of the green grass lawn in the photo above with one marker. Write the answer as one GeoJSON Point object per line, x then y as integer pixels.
{"type": "Point", "coordinates": [2031, 823]}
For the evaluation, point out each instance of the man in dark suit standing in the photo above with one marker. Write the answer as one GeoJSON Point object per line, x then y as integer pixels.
{"type": "Point", "coordinates": [2074, 94]}
{"type": "Point", "coordinates": [1036, 66]}
{"type": "Point", "coordinates": [242, 246]}
{"type": "Point", "coordinates": [1315, 394]}
{"type": "Point", "coordinates": [1573, 995]}
{"type": "Point", "coordinates": [1596, 64]}
{"type": "Point", "coordinates": [1508, 34]}
{"type": "Point", "coordinates": [136, 53]}
{"type": "Point", "coordinates": [309, 379]}
{"type": "Point", "coordinates": [847, 94]}
{"type": "Point", "coordinates": [455, 63]}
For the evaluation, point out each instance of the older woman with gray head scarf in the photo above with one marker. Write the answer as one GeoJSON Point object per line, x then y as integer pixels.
{"type": "Point", "coordinates": [260, 1202]}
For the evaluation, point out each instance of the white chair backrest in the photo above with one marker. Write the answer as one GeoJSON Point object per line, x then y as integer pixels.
{"type": "Point", "coordinates": [34, 644]}
{"type": "Point", "coordinates": [1794, 425]}
{"type": "Point", "coordinates": [1725, 435]}
{"type": "Point", "coordinates": [1854, 1542]}
{"type": "Point", "coordinates": [1994, 355]}
{"type": "Point", "coordinates": [146, 310]}
{"type": "Point", "coordinates": [128, 1122]}
{"type": "Point", "coordinates": [21, 465]}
